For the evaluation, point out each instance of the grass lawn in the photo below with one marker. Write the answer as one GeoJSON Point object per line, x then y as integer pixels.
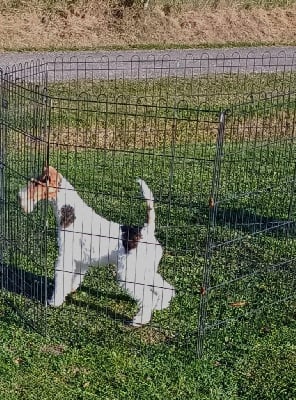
{"type": "Point", "coordinates": [89, 353]}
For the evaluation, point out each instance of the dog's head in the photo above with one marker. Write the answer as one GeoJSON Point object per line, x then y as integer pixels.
{"type": "Point", "coordinates": [44, 187]}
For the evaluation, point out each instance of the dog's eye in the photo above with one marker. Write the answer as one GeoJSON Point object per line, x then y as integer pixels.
{"type": "Point", "coordinates": [34, 181]}
{"type": "Point", "coordinates": [45, 179]}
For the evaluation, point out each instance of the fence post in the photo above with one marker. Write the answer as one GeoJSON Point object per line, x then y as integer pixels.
{"type": "Point", "coordinates": [3, 131]}
{"type": "Point", "coordinates": [212, 215]}
{"type": "Point", "coordinates": [2, 138]}
{"type": "Point", "coordinates": [46, 126]}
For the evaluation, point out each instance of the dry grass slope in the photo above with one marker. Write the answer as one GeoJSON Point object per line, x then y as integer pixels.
{"type": "Point", "coordinates": [60, 24]}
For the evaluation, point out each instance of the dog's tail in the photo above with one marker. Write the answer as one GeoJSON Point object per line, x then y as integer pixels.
{"type": "Point", "coordinates": [148, 196]}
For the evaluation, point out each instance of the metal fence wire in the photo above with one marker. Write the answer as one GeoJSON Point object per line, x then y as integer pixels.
{"type": "Point", "coordinates": [214, 139]}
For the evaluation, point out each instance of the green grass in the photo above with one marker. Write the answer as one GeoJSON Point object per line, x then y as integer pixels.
{"type": "Point", "coordinates": [33, 368]}
{"type": "Point", "coordinates": [89, 353]}
{"type": "Point", "coordinates": [151, 46]}
{"type": "Point", "coordinates": [207, 90]}
{"type": "Point", "coordinates": [147, 113]}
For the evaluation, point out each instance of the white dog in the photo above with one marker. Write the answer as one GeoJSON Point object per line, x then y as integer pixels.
{"type": "Point", "coordinates": [87, 239]}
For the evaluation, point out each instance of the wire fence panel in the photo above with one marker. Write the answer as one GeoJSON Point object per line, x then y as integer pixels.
{"type": "Point", "coordinates": [24, 150]}
{"type": "Point", "coordinates": [102, 147]}
{"type": "Point", "coordinates": [251, 249]}
{"type": "Point", "coordinates": [214, 141]}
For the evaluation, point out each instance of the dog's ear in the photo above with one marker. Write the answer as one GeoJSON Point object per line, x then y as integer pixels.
{"type": "Point", "coordinates": [53, 179]}
{"type": "Point", "coordinates": [45, 170]}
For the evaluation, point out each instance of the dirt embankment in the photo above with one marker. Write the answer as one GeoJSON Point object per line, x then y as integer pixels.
{"type": "Point", "coordinates": [98, 24]}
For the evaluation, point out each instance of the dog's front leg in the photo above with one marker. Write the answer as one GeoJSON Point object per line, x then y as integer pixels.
{"type": "Point", "coordinates": [143, 316]}
{"type": "Point", "coordinates": [64, 271]}
{"type": "Point", "coordinates": [79, 274]}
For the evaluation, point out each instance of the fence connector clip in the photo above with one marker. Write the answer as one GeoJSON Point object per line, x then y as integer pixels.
{"type": "Point", "coordinates": [203, 290]}
{"type": "Point", "coordinates": [4, 103]}
{"type": "Point", "coordinates": [211, 202]}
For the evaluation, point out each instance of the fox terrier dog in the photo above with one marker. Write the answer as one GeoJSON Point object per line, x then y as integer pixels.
{"type": "Point", "coordinates": [87, 239]}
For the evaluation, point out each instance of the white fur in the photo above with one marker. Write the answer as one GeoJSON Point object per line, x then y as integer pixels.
{"type": "Point", "coordinates": [137, 270]}
{"type": "Point", "coordinates": [92, 240]}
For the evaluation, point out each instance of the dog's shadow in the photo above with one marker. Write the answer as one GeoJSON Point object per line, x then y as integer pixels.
{"type": "Point", "coordinates": [25, 283]}
{"type": "Point", "coordinates": [39, 288]}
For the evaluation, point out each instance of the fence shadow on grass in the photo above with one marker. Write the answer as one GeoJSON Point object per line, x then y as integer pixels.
{"type": "Point", "coordinates": [107, 311]}
{"type": "Point", "coordinates": [249, 222]}
{"type": "Point", "coordinates": [110, 295]}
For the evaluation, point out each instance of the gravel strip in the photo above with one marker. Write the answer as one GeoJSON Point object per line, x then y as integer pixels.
{"type": "Point", "coordinates": [154, 63]}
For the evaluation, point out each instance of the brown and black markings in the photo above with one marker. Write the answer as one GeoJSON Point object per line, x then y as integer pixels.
{"type": "Point", "coordinates": [131, 235]}
{"type": "Point", "coordinates": [67, 216]}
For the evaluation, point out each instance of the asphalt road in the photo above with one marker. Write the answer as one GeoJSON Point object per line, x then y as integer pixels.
{"type": "Point", "coordinates": [152, 63]}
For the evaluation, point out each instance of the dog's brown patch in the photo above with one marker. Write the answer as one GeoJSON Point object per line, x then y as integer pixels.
{"type": "Point", "coordinates": [67, 216]}
{"type": "Point", "coordinates": [131, 235]}
{"type": "Point", "coordinates": [45, 186]}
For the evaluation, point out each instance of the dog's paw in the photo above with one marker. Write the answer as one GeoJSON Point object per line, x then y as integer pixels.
{"type": "Point", "coordinates": [55, 302]}
{"type": "Point", "coordinates": [136, 324]}
{"type": "Point", "coordinates": [139, 321]}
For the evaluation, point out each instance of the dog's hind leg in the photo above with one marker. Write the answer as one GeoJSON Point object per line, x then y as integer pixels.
{"type": "Point", "coordinates": [165, 292]}
{"type": "Point", "coordinates": [146, 299]}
